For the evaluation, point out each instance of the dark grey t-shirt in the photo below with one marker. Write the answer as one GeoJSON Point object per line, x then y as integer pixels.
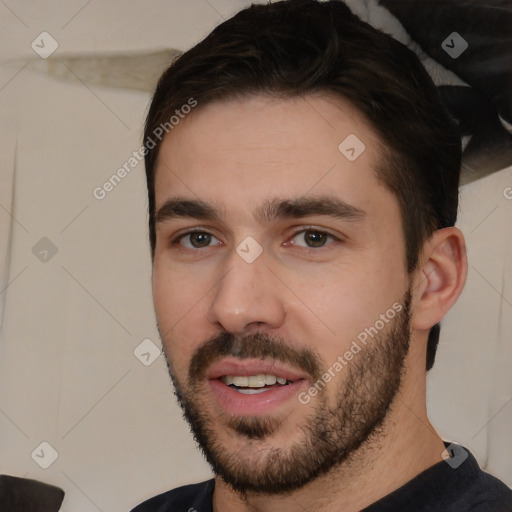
{"type": "Point", "coordinates": [440, 488]}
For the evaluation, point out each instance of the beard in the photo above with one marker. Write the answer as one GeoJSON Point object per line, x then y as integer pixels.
{"type": "Point", "coordinates": [334, 430]}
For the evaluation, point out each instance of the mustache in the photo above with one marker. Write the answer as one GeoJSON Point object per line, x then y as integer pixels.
{"type": "Point", "coordinates": [252, 346]}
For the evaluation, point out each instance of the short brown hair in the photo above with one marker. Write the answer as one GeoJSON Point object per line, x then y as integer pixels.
{"type": "Point", "coordinates": [298, 47]}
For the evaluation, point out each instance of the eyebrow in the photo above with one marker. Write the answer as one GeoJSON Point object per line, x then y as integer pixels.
{"type": "Point", "coordinates": [275, 209]}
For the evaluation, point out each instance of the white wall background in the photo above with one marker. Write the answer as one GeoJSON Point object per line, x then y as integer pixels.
{"type": "Point", "coordinates": [69, 326]}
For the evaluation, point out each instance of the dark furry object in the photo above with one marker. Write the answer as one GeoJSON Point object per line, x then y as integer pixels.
{"type": "Point", "coordinates": [24, 495]}
{"type": "Point", "coordinates": [486, 66]}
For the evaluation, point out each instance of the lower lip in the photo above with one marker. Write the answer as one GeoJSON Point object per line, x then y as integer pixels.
{"type": "Point", "coordinates": [239, 404]}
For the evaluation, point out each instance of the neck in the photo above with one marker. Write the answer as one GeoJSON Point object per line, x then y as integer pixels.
{"type": "Point", "coordinates": [405, 445]}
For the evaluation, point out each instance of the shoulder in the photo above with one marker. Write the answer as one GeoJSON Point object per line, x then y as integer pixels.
{"type": "Point", "coordinates": [457, 487]}
{"type": "Point", "coordinates": [487, 494]}
{"type": "Point", "coordinates": [187, 498]}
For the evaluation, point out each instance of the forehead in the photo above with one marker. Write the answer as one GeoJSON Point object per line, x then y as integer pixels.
{"type": "Point", "coordinates": [241, 153]}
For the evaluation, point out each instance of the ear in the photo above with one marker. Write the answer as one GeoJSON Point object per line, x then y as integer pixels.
{"type": "Point", "coordinates": [441, 276]}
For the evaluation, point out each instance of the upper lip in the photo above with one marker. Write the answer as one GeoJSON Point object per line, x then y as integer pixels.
{"type": "Point", "coordinates": [247, 367]}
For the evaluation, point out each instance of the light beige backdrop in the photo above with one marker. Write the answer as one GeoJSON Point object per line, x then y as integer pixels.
{"type": "Point", "coordinates": [75, 273]}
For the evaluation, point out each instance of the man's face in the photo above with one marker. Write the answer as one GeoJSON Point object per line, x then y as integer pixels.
{"type": "Point", "coordinates": [277, 255]}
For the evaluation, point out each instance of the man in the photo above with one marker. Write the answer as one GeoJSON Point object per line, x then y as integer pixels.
{"type": "Point", "coordinates": [303, 188]}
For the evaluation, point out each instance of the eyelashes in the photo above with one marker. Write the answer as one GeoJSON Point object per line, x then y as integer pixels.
{"type": "Point", "coordinates": [312, 238]}
{"type": "Point", "coordinates": [204, 235]}
{"type": "Point", "coordinates": [321, 236]}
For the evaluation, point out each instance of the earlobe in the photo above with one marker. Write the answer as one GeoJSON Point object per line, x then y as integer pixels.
{"type": "Point", "coordinates": [441, 278]}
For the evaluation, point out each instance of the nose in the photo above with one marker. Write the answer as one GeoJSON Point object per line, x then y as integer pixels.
{"type": "Point", "coordinates": [248, 296]}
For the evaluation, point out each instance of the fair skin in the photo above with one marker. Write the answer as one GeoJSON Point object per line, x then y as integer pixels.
{"type": "Point", "coordinates": [236, 156]}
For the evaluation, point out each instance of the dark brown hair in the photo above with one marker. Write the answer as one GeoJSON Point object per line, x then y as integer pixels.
{"type": "Point", "coordinates": [297, 47]}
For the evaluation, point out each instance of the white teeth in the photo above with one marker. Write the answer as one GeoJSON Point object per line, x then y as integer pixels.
{"type": "Point", "coordinates": [270, 380]}
{"type": "Point", "coordinates": [252, 391]}
{"type": "Point", "coordinates": [257, 381]}
{"type": "Point", "coordinates": [227, 380]}
{"type": "Point", "coordinates": [241, 381]}
{"type": "Point", "coordinates": [253, 381]}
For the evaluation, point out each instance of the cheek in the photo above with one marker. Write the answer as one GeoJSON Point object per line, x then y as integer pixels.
{"type": "Point", "coordinates": [174, 293]}
{"type": "Point", "coordinates": [337, 307]}
{"type": "Point", "coordinates": [177, 304]}
{"type": "Point", "coordinates": [342, 307]}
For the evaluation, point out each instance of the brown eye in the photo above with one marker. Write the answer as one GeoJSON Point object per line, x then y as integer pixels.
{"type": "Point", "coordinates": [312, 238]}
{"type": "Point", "coordinates": [196, 240]}
{"type": "Point", "coordinates": [315, 238]}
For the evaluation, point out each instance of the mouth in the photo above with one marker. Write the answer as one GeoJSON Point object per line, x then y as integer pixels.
{"type": "Point", "coordinates": [253, 387]}
{"type": "Point", "coordinates": [254, 384]}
